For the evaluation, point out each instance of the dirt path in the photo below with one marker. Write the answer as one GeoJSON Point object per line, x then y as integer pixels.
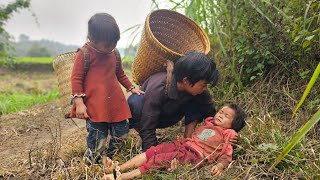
{"type": "Point", "coordinates": [23, 131]}
{"type": "Point", "coordinates": [26, 131]}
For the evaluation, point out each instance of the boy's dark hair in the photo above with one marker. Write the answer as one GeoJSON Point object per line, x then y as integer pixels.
{"type": "Point", "coordinates": [102, 27]}
{"type": "Point", "coordinates": [239, 120]}
{"type": "Point", "coordinates": [196, 66]}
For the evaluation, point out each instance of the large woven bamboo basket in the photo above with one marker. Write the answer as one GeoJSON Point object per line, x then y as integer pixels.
{"type": "Point", "coordinates": [167, 35]}
{"type": "Point", "coordinates": [62, 65]}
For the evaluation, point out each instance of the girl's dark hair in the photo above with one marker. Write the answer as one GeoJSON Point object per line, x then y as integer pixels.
{"type": "Point", "coordinates": [196, 66]}
{"type": "Point", "coordinates": [102, 27]}
{"type": "Point", "coordinates": [239, 120]}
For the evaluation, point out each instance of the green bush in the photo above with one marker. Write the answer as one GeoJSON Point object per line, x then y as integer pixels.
{"type": "Point", "coordinates": [38, 51]}
{"type": "Point", "coordinates": [13, 102]}
{"type": "Point", "coordinates": [250, 38]}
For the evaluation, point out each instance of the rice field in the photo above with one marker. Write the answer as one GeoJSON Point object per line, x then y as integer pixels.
{"type": "Point", "coordinates": [36, 60]}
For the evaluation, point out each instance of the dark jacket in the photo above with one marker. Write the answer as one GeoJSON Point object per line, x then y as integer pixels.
{"type": "Point", "coordinates": [157, 103]}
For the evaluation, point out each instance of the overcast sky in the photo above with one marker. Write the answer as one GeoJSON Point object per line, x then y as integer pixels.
{"type": "Point", "coordinates": [66, 20]}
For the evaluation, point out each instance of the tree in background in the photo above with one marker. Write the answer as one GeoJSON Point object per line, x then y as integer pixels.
{"type": "Point", "coordinates": [38, 51]}
{"type": "Point", "coordinates": [23, 38]}
{"type": "Point", "coordinates": [6, 12]}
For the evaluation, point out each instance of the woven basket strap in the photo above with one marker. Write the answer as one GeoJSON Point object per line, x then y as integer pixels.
{"type": "Point", "coordinates": [86, 58]}
{"type": "Point", "coordinates": [117, 53]}
{"type": "Point", "coordinates": [170, 66]}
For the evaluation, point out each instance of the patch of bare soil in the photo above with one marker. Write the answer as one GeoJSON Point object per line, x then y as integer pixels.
{"type": "Point", "coordinates": [21, 132]}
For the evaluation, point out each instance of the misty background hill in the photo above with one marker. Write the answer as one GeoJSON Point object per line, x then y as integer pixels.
{"type": "Point", "coordinates": [24, 47]}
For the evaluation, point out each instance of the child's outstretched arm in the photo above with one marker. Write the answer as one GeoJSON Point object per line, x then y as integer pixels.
{"type": "Point", "coordinates": [125, 82]}
{"type": "Point", "coordinates": [136, 91]}
{"type": "Point", "coordinates": [226, 153]}
{"type": "Point", "coordinates": [216, 170]}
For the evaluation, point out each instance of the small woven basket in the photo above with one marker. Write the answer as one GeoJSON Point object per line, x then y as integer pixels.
{"type": "Point", "coordinates": [62, 65]}
{"type": "Point", "coordinates": [167, 35]}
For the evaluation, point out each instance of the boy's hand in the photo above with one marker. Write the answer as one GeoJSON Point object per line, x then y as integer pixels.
{"type": "Point", "coordinates": [137, 91]}
{"type": "Point", "coordinates": [216, 170]}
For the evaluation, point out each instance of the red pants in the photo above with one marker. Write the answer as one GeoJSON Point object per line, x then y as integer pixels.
{"type": "Point", "coordinates": [162, 155]}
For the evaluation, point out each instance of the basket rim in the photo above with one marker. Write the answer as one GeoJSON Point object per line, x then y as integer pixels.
{"type": "Point", "coordinates": [206, 38]}
{"type": "Point", "coordinates": [65, 53]}
{"type": "Point", "coordinates": [56, 58]}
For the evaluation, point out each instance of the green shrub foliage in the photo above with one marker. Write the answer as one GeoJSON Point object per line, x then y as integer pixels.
{"type": "Point", "coordinates": [253, 37]}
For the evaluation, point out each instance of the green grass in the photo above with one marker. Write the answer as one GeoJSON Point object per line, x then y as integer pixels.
{"type": "Point", "coordinates": [48, 60]}
{"type": "Point", "coordinates": [13, 102]}
{"type": "Point", "coordinates": [127, 59]}
{"type": "Point", "coordinates": [38, 60]}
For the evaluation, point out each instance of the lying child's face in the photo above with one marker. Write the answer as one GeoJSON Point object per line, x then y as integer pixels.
{"type": "Point", "coordinates": [224, 117]}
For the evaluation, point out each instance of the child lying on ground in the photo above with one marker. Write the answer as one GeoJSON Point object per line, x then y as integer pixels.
{"type": "Point", "coordinates": [209, 142]}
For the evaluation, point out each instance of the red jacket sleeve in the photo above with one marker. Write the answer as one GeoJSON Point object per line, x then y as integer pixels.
{"type": "Point", "coordinates": [226, 153]}
{"type": "Point", "coordinates": [77, 74]}
{"type": "Point", "coordinates": [208, 120]}
{"type": "Point", "coordinates": [123, 78]}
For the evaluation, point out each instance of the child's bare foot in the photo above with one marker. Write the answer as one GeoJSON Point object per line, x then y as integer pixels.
{"type": "Point", "coordinates": [108, 177]}
{"type": "Point", "coordinates": [112, 176]}
{"type": "Point", "coordinates": [108, 164]}
{"type": "Point", "coordinates": [173, 165]}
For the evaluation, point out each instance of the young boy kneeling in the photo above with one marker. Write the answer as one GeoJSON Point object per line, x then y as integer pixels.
{"type": "Point", "coordinates": [210, 141]}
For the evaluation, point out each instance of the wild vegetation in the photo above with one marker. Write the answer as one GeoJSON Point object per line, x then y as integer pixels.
{"type": "Point", "coordinates": [266, 52]}
{"type": "Point", "coordinates": [24, 85]}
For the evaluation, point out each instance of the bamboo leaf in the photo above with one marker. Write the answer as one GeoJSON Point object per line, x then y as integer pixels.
{"type": "Point", "coordinates": [306, 44]}
{"type": "Point", "coordinates": [309, 38]}
{"type": "Point", "coordinates": [217, 29]}
{"type": "Point", "coordinates": [308, 89]}
{"type": "Point", "coordinates": [296, 38]}
{"type": "Point", "coordinates": [278, 9]}
{"type": "Point", "coordinates": [156, 5]}
{"type": "Point", "coordinates": [305, 14]}
{"type": "Point", "coordinates": [132, 28]}
{"type": "Point", "coordinates": [301, 133]}
{"type": "Point", "coordinates": [133, 36]}
{"type": "Point", "coordinates": [259, 11]}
